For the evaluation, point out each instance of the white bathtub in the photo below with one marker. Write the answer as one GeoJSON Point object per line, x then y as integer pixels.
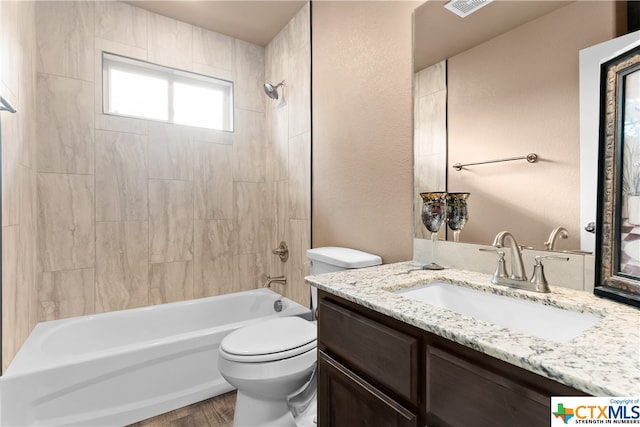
{"type": "Point", "coordinates": [121, 367]}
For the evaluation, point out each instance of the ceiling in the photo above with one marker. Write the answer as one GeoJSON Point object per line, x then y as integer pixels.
{"type": "Point", "coordinates": [440, 34]}
{"type": "Point", "coordinates": [256, 22]}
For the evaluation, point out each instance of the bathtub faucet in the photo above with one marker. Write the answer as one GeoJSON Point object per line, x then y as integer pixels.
{"type": "Point", "coordinates": [277, 279]}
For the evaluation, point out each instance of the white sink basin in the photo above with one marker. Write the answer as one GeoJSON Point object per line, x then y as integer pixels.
{"type": "Point", "coordinates": [532, 318]}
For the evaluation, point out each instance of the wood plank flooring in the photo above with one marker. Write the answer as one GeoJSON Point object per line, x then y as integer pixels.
{"type": "Point", "coordinates": [215, 412]}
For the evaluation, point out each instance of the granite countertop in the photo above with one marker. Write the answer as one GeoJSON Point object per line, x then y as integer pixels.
{"type": "Point", "coordinates": [602, 361]}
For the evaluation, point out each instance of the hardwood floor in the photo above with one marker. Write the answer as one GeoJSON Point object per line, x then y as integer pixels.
{"type": "Point", "coordinates": [215, 412]}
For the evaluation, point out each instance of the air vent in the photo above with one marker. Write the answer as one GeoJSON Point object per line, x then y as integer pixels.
{"type": "Point", "coordinates": [464, 8]}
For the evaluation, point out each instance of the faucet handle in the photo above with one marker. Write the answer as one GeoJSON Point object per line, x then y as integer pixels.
{"type": "Point", "coordinates": [501, 268]}
{"type": "Point", "coordinates": [539, 279]}
{"type": "Point", "coordinates": [282, 251]}
{"type": "Point", "coordinates": [495, 249]}
{"type": "Point", "coordinates": [538, 259]}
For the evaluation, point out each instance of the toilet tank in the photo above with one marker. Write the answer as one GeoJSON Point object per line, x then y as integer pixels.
{"type": "Point", "coordinates": [333, 258]}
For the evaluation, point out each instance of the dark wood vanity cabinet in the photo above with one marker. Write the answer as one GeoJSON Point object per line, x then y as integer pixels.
{"type": "Point", "coordinates": [347, 400]}
{"type": "Point", "coordinates": [468, 388]}
{"type": "Point", "coordinates": [378, 371]}
{"type": "Point", "coordinates": [366, 371]}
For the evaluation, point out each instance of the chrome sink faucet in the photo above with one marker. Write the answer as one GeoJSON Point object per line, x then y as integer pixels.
{"type": "Point", "coordinates": [561, 232]}
{"type": "Point", "coordinates": [517, 266]}
{"type": "Point", "coordinates": [518, 277]}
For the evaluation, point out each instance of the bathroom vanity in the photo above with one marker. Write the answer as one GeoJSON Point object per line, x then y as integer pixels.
{"type": "Point", "coordinates": [386, 360]}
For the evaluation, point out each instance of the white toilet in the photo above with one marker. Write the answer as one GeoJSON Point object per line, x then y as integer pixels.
{"type": "Point", "coordinates": [269, 361]}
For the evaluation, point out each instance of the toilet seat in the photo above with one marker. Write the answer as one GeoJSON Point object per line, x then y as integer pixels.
{"type": "Point", "coordinates": [270, 357]}
{"type": "Point", "coordinates": [269, 341]}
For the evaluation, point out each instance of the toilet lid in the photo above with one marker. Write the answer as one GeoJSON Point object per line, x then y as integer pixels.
{"type": "Point", "coordinates": [270, 338]}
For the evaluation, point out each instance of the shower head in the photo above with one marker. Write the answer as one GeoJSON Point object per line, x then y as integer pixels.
{"type": "Point", "coordinates": [271, 90]}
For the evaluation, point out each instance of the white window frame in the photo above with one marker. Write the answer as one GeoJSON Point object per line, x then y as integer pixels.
{"type": "Point", "coordinates": [171, 75]}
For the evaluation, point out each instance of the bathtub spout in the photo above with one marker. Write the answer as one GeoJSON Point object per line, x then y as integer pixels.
{"type": "Point", "coordinates": [277, 279]}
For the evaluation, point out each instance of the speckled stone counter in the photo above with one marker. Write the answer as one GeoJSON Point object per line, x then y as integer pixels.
{"type": "Point", "coordinates": [603, 361]}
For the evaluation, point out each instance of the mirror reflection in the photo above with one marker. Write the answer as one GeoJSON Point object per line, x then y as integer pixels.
{"type": "Point", "coordinates": [505, 83]}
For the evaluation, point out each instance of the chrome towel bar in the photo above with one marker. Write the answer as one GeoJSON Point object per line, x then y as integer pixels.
{"type": "Point", "coordinates": [531, 158]}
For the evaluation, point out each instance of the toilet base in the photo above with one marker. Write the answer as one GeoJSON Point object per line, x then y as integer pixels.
{"type": "Point", "coordinates": [309, 417]}
{"type": "Point", "coordinates": [252, 412]}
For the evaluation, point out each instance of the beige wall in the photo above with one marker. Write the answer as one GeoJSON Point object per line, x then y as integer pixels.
{"type": "Point", "coordinates": [517, 94]}
{"type": "Point", "coordinates": [17, 85]}
{"type": "Point", "coordinates": [362, 120]}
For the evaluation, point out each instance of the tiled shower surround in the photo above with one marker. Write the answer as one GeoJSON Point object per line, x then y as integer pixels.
{"type": "Point", "coordinates": [134, 212]}
{"type": "Point", "coordinates": [19, 209]}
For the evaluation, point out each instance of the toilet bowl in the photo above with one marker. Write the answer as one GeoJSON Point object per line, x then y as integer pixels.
{"type": "Point", "coordinates": [267, 362]}
{"type": "Point", "coordinates": [270, 361]}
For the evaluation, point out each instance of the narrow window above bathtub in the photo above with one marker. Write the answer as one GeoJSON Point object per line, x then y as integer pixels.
{"type": "Point", "coordinates": [142, 90]}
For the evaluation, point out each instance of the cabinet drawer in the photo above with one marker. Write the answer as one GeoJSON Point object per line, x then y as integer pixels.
{"type": "Point", "coordinates": [346, 400]}
{"type": "Point", "coordinates": [383, 355]}
{"type": "Point", "coordinates": [461, 394]}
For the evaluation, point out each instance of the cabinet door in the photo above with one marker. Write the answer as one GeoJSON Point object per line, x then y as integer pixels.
{"type": "Point", "coordinates": [346, 400]}
{"type": "Point", "coordinates": [463, 394]}
{"type": "Point", "coordinates": [381, 354]}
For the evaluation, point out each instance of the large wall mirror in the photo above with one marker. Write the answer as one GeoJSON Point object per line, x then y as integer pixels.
{"type": "Point", "coordinates": [618, 250]}
{"type": "Point", "coordinates": [501, 83]}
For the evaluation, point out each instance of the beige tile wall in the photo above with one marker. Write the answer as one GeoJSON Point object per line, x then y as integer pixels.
{"type": "Point", "coordinates": [134, 212]}
{"type": "Point", "coordinates": [288, 57]}
{"type": "Point", "coordinates": [18, 86]}
{"type": "Point", "coordinates": [104, 213]}
{"type": "Point", "coordinates": [429, 138]}
{"type": "Point", "coordinates": [122, 202]}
